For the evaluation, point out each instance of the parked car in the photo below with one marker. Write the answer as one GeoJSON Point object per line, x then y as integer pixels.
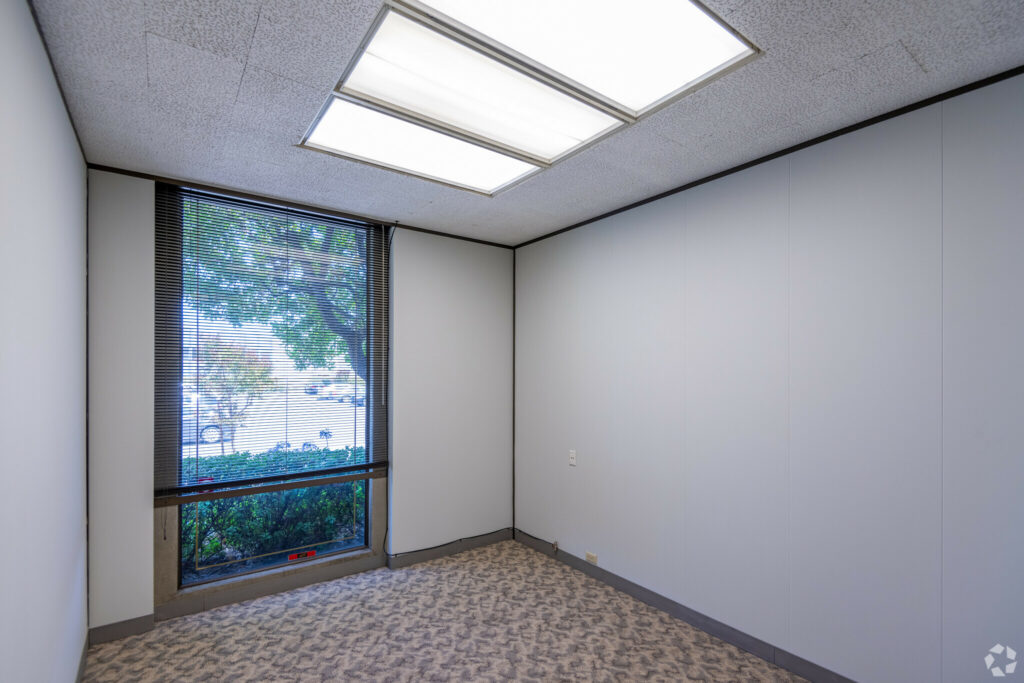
{"type": "Point", "coordinates": [356, 395]}
{"type": "Point", "coordinates": [343, 392]}
{"type": "Point", "coordinates": [333, 392]}
{"type": "Point", "coordinates": [200, 422]}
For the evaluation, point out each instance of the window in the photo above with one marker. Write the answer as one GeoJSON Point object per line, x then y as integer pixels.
{"type": "Point", "coordinates": [270, 359]}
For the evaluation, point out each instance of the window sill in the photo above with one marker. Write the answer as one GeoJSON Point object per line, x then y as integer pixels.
{"type": "Point", "coordinates": [194, 599]}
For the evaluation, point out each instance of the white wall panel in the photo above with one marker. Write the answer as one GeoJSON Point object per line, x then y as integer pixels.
{"type": "Point", "coordinates": [599, 341]}
{"type": "Point", "coordinates": [543, 386]}
{"type": "Point", "coordinates": [735, 509]}
{"type": "Point", "coordinates": [983, 383]}
{"type": "Point", "coordinates": [451, 419]}
{"type": "Point", "coordinates": [42, 365]}
{"type": "Point", "coordinates": [121, 352]}
{"type": "Point", "coordinates": [864, 400]}
{"type": "Point", "coordinates": [605, 322]}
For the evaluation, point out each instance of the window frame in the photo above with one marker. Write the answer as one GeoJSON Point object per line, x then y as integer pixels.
{"type": "Point", "coordinates": [168, 370]}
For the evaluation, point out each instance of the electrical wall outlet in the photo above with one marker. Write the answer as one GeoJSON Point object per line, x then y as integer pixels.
{"type": "Point", "coordinates": [572, 457]}
{"type": "Point", "coordinates": [591, 557]}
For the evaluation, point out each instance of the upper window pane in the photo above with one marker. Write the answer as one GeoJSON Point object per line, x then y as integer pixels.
{"type": "Point", "coordinates": [274, 343]}
{"type": "Point", "coordinates": [413, 67]}
{"type": "Point", "coordinates": [634, 53]}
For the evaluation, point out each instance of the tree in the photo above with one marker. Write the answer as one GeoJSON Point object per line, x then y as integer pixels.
{"type": "Point", "coordinates": [232, 377]}
{"type": "Point", "coordinates": [306, 279]}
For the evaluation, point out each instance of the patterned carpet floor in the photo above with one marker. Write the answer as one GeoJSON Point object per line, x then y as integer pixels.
{"type": "Point", "coordinates": [501, 612]}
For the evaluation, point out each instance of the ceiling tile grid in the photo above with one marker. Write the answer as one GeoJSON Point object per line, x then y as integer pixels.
{"type": "Point", "coordinates": [221, 93]}
{"type": "Point", "coordinates": [223, 28]}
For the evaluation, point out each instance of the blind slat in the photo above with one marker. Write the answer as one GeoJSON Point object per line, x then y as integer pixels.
{"type": "Point", "coordinates": [271, 343]}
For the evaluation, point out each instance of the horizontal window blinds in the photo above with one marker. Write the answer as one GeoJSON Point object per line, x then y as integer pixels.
{"type": "Point", "coordinates": [271, 343]}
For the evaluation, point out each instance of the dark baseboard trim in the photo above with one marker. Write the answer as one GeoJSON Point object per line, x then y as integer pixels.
{"type": "Point", "coordinates": [744, 641]}
{"type": "Point", "coordinates": [400, 560]}
{"type": "Point", "coordinates": [248, 587]}
{"type": "Point", "coordinates": [80, 676]}
{"type": "Point", "coordinates": [809, 670]}
{"type": "Point", "coordinates": [120, 629]}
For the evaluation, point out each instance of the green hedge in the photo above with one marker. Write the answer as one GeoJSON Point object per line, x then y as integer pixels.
{"type": "Point", "coordinates": [230, 529]}
{"type": "Point", "coordinates": [234, 466]}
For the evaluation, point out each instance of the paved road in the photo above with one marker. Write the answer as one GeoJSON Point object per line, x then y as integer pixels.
{"type": "Point", "coordinates": [294, 417]}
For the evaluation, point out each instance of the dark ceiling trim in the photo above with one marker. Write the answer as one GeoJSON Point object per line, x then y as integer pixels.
{"type": "Point", "coordinates": [56, 79]}
{"type": "Point", "coordinates": [457, 237]}
{"type": "Point", "coordinates": [789, 150]}
{"type": "Point", "coordinates": [220, 189]}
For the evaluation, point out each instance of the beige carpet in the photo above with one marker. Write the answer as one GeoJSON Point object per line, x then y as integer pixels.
{"type": "Point", "coordinates": [502, 612]}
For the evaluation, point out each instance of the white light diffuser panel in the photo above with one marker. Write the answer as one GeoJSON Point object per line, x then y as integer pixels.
{"type": "Point", "coordinates": [636, 53]}
{"type": "Point", "coordinates": [415, 68]}
{"type": "Point", "coordinates": [368, 135]}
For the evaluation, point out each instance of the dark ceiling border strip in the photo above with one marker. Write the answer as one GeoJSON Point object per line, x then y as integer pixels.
{"type": "Point", "coordinates": [510, 247]}
{"type": "Point", "coordinates": [1016, 71]}
{"type": "Point", "coordinates": [287, 203]}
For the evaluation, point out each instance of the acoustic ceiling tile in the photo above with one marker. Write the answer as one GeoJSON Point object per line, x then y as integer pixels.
{"type": "Point", "coordinates": [223, 28]}
{"type": "Point", "coordinates": [189, 85]}
{"type": "Point", "coordinates": [310, 42]}
{"type": "Point", "coordinates": [178, 107]}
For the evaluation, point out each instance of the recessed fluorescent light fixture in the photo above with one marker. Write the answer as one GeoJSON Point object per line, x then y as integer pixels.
{"type": "Point", "coordinates": [364, 134]}
{"type": "Point", "coordinates": [479, 94]}
{"type": "Point", "coordinates": [411, 67]}
{"type": "Point", "coordinates": [638, 54]}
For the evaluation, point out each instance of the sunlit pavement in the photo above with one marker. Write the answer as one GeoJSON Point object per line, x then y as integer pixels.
{"type": "Point", "coordinates": [293, 417]}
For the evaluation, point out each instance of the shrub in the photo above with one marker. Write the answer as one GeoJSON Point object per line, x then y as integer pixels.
{"type": "Point", "coordinates": [234, 466]}
{"type": "Point", "coordinates": [262, 524]}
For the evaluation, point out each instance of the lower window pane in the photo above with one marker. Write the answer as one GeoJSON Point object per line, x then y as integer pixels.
{"type": "Point", "coordinates": [230, 536]}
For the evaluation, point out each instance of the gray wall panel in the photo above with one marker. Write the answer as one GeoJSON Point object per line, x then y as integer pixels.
{"type": "Point", "coordinates": [121, 357]}
{"type": "Point", "coordinates": [983, 384]}
{"type": "Point", "coordinates": [864, 400]}
{"type": "Point", "coordinates": [451, 400]}
{"type": "Point", "coordinates": [736, 356]}
{"type": "Point", "coordinates": [599, 340]}
{"type": "Point", "coordinates": [42, 365]}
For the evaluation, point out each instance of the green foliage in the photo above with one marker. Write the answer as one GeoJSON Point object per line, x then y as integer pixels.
{"type": "Point", "coordinates": [244, 465]}
{"type": "Point", "coordinates": [231, 529]}
{"type": "Point", "coordinates": [307, 280]}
